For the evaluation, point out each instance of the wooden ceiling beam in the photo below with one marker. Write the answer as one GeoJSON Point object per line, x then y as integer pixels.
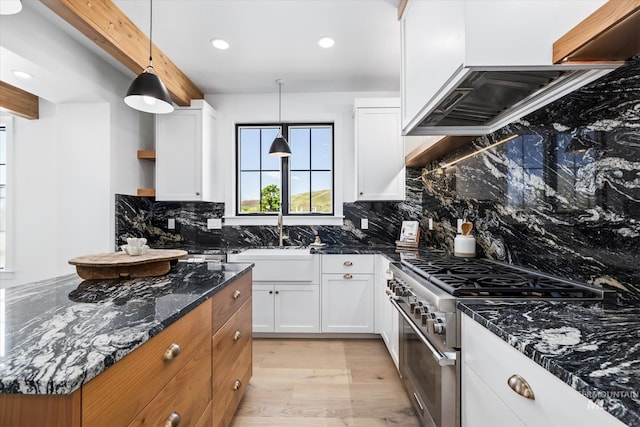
{"type": "Point", "coordinates": [18, 101]}
{"type": "Point", "coordinates": [107, 26]}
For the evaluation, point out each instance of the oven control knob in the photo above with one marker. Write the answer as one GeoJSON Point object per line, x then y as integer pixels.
{"type": "Point", "coordinates": [439, 327]}
{"type": "Point", "coordinates": [417, 310]}
{"type": "Point", "coordinates": [426, 317]}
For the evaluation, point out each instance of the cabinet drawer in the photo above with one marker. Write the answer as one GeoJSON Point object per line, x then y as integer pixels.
{"type": "Point", "coordinates": [187, 394]}
{"type": "Point", "coordinates": [230, 340]}
{"type": "Point", "coordinates": [229, 391]}
{"type": "Point", "coordinates": [361, 264]}
{"type": "Point", "coordinates": [227, 301]}
{"type": "Point", "coordinates": [555, 404]}
{"type": "Point", "coordinates": [133, 382]}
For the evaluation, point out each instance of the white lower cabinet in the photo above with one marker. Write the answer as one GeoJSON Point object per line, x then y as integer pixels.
{"type": "Point", "coordinates": [348, 293]}
{"type": "Point", "coordinates": [386, 315]}
{"type": "Point", "coordinates": [288, 307]}
{"type": "Point", "coordinates": [488, 401]}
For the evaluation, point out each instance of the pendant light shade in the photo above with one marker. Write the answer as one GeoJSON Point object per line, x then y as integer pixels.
{"type": "Point", "coordinates": [280, 146]}
{"type": "Point", "coordinates": [10, 7]}
{"type": "Point", "coordinates": [147, 92]}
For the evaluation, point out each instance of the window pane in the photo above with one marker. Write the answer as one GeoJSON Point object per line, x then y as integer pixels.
{"type": "Point", "coordinates": [3, 174]}
{"type": "Point", "coordinates": [300, 192]}
{"type": "Point", "coordinates": [270, 200]}
{"type": "Point", "coordinates": [321, 155]}
{"type": "Point", "coordinates": [321, 192]}
{"type": "Point", "coordinates": [249, 149]}
{"type": "Point", "coordinates": [269, 162]}
{"type": "Point", "coordinates": [299, 141]}
{"type": "Point", "coordinates": [249, 192]}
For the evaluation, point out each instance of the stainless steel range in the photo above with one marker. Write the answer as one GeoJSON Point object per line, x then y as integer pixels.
{"type": "Point", "coordinates": [425, 289]}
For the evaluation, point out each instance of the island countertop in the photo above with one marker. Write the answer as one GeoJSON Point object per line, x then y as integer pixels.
{"type": "Point", "coordinates": [58, 334]}
{"type": "Point", "coordinates": [593, 348]}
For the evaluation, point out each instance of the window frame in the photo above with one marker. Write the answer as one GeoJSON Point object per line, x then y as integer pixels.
{"type": "Point", "coordinates": [6, 271]}
{"type": "Point", "coordinates": [285, 170]}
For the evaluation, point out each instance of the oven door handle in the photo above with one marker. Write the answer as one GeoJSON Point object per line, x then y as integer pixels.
{"type": "Point", "coordinates": [442, 359]}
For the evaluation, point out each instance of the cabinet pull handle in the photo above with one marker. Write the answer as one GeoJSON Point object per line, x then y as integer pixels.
{"type": "Point", "coordinates": [270, 292]}
{"type": "Point", "coordinates": [277, 292]}
{"type": "Point", "coordinates": [347, 264]}
{"type": "Point", "coordinates": [197, 193]}
{"type": "Point", "coordinates": [237, 336]}
{"type": "Point", "coordinates": [173, 420]}
{"type": "Point", "coordinates": [172, 352]}
{"type": "Point", "coordinates": [236, 385]}
{"type": "Point", "coordinates": [388, 271]}
{"type": "Point", "coordinates": [348, 276]}
{"type": "Point", "coordinates": [236, 294]}
{"type": "Point", "coordinates": [521, 386]}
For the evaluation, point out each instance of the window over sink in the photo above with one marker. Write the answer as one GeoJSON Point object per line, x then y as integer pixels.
{"type": "Point", "coordinates": [300, 185]}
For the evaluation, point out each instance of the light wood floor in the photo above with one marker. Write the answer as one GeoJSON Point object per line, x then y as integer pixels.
{"type": "Point", "coordinates": [323, 383]}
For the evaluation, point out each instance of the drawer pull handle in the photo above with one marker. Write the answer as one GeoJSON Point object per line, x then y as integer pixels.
{"type": "Point", "coordinates": [521, 386]}
{"type": "Point", "coordinates": [236, 294]}
{"type": "Point", "coordinates": [347, 263]}
{"type": "Point", "coordinates": [237, 336]}
{"type": "Point", "coordinates": [172, 352]}
{"type": "Point", "coordinates": [236, 385]}
{"type": "Point", "coordinates": [173, 420]}
{"type": "Point", "coordinates": [348, 276]}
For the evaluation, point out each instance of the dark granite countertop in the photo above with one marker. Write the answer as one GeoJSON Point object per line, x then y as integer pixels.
{"type": "Point", "coordinates": [61, 333]}
{"type": "Point", "coordinates": [593, 348]}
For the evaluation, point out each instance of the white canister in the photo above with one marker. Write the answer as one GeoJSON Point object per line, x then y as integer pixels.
{"type": "Point", "coordinates": [464, 246]}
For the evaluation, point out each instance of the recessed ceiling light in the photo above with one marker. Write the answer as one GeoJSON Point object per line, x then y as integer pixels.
{"type": "Point", "coordinates": [21, 74]}
{"type": "Point", "coordinates": [220, 44]}
{"type": "Point", "coordinates": [326, 42]}
{"type": "Point", "coordinates": [10, 7]}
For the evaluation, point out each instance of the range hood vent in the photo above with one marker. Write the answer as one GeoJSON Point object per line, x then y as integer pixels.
{"type": "Point", "coordinates": [486, 99]}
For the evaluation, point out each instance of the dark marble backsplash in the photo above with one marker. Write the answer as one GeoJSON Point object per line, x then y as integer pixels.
{"type": "Point", "coordinates": [563, 197]}
{"type": "Point", "coordinates": [145, 217]}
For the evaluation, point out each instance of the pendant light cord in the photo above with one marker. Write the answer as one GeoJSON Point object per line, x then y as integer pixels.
{"type": "Point", "coordinates": [280, 102]}
{"type": "Point", "coordinates": [150, 31]}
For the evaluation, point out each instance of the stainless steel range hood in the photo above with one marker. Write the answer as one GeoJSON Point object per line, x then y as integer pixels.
{"type": "Point", "coordinates": [480, 100]}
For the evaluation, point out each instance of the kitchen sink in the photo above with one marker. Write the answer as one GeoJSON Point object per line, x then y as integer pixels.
{"type": "Point", "coordinates": [281, 264]}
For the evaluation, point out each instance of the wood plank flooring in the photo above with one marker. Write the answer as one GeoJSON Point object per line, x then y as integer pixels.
{"type": "Point", "coordinates": [320, 382]}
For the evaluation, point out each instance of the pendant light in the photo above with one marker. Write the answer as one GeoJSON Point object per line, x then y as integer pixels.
{"type": "Point", "coordinates": [280, 146]}
{"type": "Point", "coordinates": [147, 92]}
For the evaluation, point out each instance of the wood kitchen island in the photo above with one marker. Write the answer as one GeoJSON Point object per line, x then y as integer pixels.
{"type": "Point", "coordinates": [170, 350]}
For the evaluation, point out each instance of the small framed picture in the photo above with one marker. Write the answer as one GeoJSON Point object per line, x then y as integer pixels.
{"type": "Point", "coordinates": [410, 232]}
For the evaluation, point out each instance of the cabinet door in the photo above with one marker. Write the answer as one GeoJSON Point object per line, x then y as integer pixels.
{"type": "Point", "coordinates": [386, 314]}
{"type": "Point", "coordinates": [179, 155]}
{"type": "Point", "coordinates": [347, 303]}
{"type": "Point", "coordinates": [262, 311]}
{"type": "Point", "coordinates": [480, 405]}
{"type": "Point", "coordinates": [380, 154]}
{"type": "Point", "coordinates": [297, 308]}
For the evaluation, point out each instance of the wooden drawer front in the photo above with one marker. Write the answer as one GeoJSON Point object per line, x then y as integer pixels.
{"type": "Point", "coordinates": [361, 264]}
{"type": "Point", "coordinates": [206, 420]}
{"type": "Point", "coordinates": [226, 347]}
{"type": "Point", "coordinates": [187, 395]}
{"type": "Point", "coordinates": [117, 395]}
{"type": "Point", "coordinates": [555, 404]}
{"type": "Point", "coordinates": [226, 399]}
{"type": "Point", "coordinates": [227, 301]}
{"type": "Point", "coordinates": [29, 410]}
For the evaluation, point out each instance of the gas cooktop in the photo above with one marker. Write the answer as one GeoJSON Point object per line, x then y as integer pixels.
{"type": "Point", "coordinates": [480, 278]}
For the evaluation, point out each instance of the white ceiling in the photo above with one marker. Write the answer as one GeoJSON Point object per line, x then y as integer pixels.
{"type": "Point", "coordinates": [275, 39]}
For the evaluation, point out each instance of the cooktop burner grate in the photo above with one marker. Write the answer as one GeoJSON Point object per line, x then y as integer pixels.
{"type": "Point", "coordinates": [463, 277]}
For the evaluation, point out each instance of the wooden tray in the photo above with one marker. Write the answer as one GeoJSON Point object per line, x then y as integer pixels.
{"type": "Point", "coordinates": [119, 265]}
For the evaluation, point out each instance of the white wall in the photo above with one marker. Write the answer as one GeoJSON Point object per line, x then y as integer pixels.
{"type": "Point", "coordinates": [69, 164]}
{"type": "Point", "coordinates": [336, 107]}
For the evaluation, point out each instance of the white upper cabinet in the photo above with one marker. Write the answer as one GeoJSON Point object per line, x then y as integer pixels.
{"type": "Point", "coordinates": [185, 153]}
{"type": "Point", "coordinates": [443, 41]}
{"type": "Point", "coordinates": [380, 173]}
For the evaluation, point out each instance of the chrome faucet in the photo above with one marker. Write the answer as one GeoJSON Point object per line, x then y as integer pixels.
{"type": "Point", "coordinates": [280, 227]}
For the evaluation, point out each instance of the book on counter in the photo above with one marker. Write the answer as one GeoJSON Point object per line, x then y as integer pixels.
{"type": "Point", "coordinates": [409, 235]}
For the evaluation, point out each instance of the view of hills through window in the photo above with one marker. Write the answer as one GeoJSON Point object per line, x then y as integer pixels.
{"type": "Point", "coordinates": [309, 170]}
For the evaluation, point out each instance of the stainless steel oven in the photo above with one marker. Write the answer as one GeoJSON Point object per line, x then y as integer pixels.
{"type": "Point", "coordinates": [425, 289]}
